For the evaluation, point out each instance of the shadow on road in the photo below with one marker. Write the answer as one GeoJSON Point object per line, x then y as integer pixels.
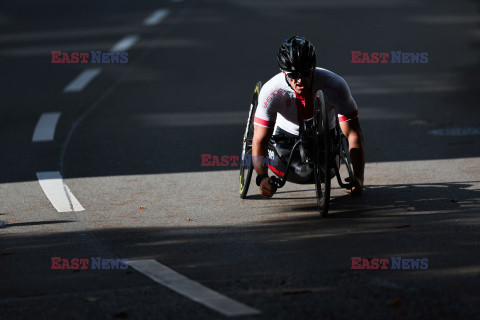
{"type": "Point", "coordinates": [279, 266]}
{"type": "Point", "coordinates": [36, 223]}
{"type": "Point", "coordinates": [388, 200]}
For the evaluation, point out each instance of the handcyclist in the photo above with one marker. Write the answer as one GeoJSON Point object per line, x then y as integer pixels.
{"type": "Point", "coordinates": [288, 97]}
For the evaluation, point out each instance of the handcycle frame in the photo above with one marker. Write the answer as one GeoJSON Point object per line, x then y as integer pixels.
{"type": "Point", "coordinates": [340, 144]}
{"type": "Point", "coordinates": [317, 148]}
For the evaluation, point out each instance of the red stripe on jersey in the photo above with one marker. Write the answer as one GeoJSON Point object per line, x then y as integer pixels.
{"type": "Point", "coordinates": [268, 124]}
{"type": "Point", "coordinates": [349, 116]}
{"type": "Point", "coordinates": [304, 106]}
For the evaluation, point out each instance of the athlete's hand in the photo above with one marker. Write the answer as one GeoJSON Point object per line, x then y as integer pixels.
{"type": "Point", "coordinates": [266, 189]}
{"type": "Point", "coordinates": [357, 188]}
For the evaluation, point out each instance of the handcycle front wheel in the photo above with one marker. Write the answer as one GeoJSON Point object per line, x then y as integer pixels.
{"type": "Point", "coordinates": [246, 165]}
{"type": "Point", "coordinates": [344, 154]}
{"type": "Point", "coordinates": [322, 163]}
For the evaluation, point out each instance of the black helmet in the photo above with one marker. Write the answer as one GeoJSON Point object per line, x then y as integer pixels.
{"type": "Point", "coordinates": [296, 54]}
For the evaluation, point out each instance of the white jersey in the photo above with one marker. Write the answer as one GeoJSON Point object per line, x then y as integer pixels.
{"type": "Point", "coordinates": [280, 106]}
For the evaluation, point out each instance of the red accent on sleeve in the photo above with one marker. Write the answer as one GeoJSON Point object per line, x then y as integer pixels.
{"type": "Point", "coordinates": [265, 123]}
{"type": "Point", "coordinates": [349, 116]}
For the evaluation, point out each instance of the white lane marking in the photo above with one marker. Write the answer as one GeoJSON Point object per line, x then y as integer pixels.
{"type": "Point", "coordinates": [45, 128]}
{"type": "Point", "coordinates": [82, 80]}
{"type": "Point", "coordinates": [470, 131]}
{"type": "Point", "coordinates": [398, 83]}
{"type": "Point", "coordinates": [193, 119]}
{"type": "Point", "coordinates": [126, 43]}
{"type": "Point", "coordinates": [445, 19]}
{"type": "Point", "coordinates": [191, 289]}
{"type": "Point", "coordinates": [57, 192]}
{"type": "Point", "coordinates": [200, 119]}
{"type": "Point", "coordinates": [156, 17]}
{"type": "Point", "coordinates": [313, 4]}
{"type": "Point", "coordinates": [78, 293]}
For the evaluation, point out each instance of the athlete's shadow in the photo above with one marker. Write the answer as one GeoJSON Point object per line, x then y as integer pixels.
{"type": "Point", "coordinates": [257, 196]}
{"type": "Point", "coordinates": [387, 200]}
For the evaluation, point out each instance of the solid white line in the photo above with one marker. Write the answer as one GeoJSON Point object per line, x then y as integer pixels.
{"type": "Point", "coordinates": [193, 119]}
{"type": "Point", "coordinates": [126, 43]}
{"type": "Point", "coordinates": [191, 289]}
{"type": "Point", "coordinates": [456, 132]}
{"type": "Point", "coordinates": [444, 19]}
{"type": "Point", "coordinates": [156, 17]}
{"type": "Point", "coordinates": [45, 129]}
{"type": "Point", "coordinates": [223, 118]}
{"type": "Point", "coordinates": [82, 80]}
{"type": "Point", "coordinates": [385, 84]}
{"type": "Point", "coordinates": [78, 293]}
{"type": "Point", "coordinates": [57, 192]}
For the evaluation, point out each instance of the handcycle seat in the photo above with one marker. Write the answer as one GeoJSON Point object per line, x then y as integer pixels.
{"type": "Point", "coordinates": [280, 147]}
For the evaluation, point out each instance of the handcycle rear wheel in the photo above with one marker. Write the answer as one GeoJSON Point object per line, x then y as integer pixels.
{"type": "Point", "coordinates": [322, 163]}
{"type": "Point", "coordinates": [246, 165]}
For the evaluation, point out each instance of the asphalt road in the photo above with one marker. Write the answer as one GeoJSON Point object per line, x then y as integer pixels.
{"type": "Point", "coordinates": [127, 146]}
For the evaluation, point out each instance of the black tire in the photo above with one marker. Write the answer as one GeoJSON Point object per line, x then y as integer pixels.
{"type": "Point", "coordinates": [323, 159]}
{"type": "Point", "coordinates": [246, 167]}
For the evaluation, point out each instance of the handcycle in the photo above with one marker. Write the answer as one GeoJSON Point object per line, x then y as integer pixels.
{"type": "Point", "coordinates": [321, 146]}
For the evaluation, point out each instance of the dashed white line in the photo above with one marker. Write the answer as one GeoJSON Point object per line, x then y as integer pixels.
{"type": "Point", "coordinates": [45, 128]}
{"type": "Point", "coordinates": [57, 192]}
{"type": "Point", "coordinates": [156, 17]}
{"type": "Point", "coordinates": [192, 289]}
{"type": "Point", "coordinates": [125, 44]}
{"type": "Point", "coordinates": [82, 80]}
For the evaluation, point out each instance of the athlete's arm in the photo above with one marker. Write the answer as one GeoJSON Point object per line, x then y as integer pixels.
{"type": "Point", "coordinates": [261, 136]}
{"type": "Point", "coordinates": [352, 130]}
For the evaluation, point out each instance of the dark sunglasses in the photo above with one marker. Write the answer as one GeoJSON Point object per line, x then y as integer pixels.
{"type": "Point", "coordinates": [297, 75]}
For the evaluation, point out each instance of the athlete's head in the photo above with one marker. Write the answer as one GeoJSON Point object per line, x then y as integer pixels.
{"type": "Point", "coordinates": [296, 58]}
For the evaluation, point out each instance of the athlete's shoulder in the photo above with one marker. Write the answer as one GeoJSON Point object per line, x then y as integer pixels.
{"type": "Point", "coordinates": [336, 90]}
{"type": "Point", "coordinates": [274, 92]}
{"type": "Point", "coordinates": [329, 77]}
{"type": "Point", "coordinates": [275, 83]}
{"type": "Point", "coordinates": [331, 82]}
